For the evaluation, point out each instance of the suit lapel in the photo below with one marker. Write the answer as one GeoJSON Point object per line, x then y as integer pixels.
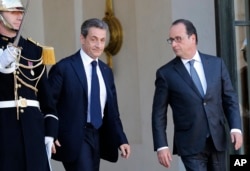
{"type": "Point", "coordinates": [208, 70]}
{"type": "Point", "coordinates": [181, 69]}
{"type": "Point", "coordinates": [103, 69]}
{"type": "Point", "coordinates": [77, 64]}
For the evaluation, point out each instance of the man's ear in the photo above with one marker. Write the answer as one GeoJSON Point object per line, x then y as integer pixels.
{"type": "Point", "coordinates": [82, 39]}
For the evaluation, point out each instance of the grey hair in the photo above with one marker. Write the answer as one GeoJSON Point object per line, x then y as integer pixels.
{"type": "Point", "coordinates": [93, 22]}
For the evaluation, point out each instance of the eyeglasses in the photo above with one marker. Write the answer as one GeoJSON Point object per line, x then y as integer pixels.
{"type": "Point", "coordinates": [177, 39]}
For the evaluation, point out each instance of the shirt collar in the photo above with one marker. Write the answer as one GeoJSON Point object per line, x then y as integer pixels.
{"type": "Point", "coordinates": [86, 58]}
{"type": "Point", "coordinates": [196, 57]}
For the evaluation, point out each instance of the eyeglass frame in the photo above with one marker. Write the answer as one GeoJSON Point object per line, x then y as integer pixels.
{"type": "Point", "coordinates": [177, 39]}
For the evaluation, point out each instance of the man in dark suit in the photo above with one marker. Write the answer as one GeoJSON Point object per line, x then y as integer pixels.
{"type": "Point", "coordinates": [81, 140]}
{"type": "Point", "coordinates": [199, 115]}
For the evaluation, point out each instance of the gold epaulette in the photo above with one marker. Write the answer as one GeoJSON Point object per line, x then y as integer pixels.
{"type": "Point", "coordinates": [48, 53]}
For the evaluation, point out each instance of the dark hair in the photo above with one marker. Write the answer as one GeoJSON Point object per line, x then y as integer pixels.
{"type": "Point", "coordinates": [189, 27]}
{"type": "Point", "coordinates": [93, 22]}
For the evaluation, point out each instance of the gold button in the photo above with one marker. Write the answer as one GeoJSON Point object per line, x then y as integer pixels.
{"type": "Point", "coordinates": [21, 110]}
{"type": "Point", "coordinates": [22, 102]}
{"type": "Point", "coordinates": [18, 85]}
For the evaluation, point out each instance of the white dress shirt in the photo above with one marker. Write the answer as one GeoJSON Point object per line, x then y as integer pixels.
{"type": "Point", "coordinates": [199, 69]}
{"type": "Point", "coordinates": [88, 70]}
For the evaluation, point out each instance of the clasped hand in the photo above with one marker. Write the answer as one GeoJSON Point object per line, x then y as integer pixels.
{"type": "Point", "coordinates": [9, 57]}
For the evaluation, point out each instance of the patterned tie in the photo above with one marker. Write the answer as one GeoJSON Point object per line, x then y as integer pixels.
{"type": "Point", "coordinates": [95, 106]}
{"type": "Point", "coordinates": [195, 77]}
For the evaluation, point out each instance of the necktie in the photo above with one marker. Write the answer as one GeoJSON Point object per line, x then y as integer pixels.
{"type": "Point", "coordinates": [195, 77]}
{"type": "Point", "coordinates": [95, 106]}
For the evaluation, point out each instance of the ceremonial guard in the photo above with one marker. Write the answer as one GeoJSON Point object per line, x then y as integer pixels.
{"type": "Point", "coordinates": [27, 115]}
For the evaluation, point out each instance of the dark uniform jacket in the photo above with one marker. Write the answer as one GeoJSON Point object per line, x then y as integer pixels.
{"type": "Point", "coordinates": [22, 129]}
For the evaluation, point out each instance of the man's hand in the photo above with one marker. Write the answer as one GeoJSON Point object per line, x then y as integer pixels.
{"type": "Point", "coordinates": [56, 143]}
{"type": "Point", "coordinates": [164, 157]}
{"type": "Point", "coordinates": [9, 55]}
{"type": "Point", "coordinates": [125, 149]}
{"type": "Point", "coordinates": [237, 139]}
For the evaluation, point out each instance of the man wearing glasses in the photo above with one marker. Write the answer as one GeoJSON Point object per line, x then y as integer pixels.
{"type": "Point", "coordinates": [198, 88]}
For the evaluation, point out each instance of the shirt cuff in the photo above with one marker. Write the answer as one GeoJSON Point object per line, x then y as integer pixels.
{"type": "Point", "coordinates": [235, 130]}
{"type": "Point", "coordinates": [162, 148]}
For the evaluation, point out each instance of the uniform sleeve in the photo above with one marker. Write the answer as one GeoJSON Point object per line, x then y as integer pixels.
{"type": "Point", "coordinates": [48, 108]}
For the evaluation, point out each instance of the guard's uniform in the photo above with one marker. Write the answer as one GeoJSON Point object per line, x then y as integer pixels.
{"type": "Point", "coordinates": [27, 114]}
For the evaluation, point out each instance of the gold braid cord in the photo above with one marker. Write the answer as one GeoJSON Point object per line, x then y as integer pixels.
{"type": "Point", "coordinates": [40, 62]}
{"type": "Point", "coordinates": [15, 95]}
{"type": "Point", "coordinates": [17, 78]}
{"type": "Point", "coordinates": [26, 84]}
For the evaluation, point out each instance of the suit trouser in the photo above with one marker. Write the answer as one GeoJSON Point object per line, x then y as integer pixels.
{"type": "Point", "coordinates": [89, 155]}
{"type": "Point", "coordinates": [207, 160]}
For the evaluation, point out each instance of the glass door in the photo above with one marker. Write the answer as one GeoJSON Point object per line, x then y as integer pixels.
{"type": "Point", "coordinates": [242, 50]}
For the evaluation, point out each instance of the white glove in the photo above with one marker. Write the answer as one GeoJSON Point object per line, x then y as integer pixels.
{"type": "Point", "coordinates": [48, 144]}
{"type": "Point", "coordinates": [9, 55]}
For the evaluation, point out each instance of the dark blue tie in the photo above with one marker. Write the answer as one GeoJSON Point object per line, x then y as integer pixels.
{"type": "Point", "coordinates": [95, 106]}
{"type": "Point", "coordinates": [195, 78]}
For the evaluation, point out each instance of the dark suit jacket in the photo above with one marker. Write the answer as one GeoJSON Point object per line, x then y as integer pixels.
{"type": "Point", "coordinates": [194, 116]}
{"type": "Point", "coordinates": [69, 89]}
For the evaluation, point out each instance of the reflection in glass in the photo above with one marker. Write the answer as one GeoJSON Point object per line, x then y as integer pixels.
{"type": "Point", "coordinates": [243, 83]}
{"type": "Point", "coordinates": [239, 10]}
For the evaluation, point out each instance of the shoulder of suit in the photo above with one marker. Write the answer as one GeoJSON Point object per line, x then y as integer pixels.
{"type": "Point", "coordinates": [103, 64]}
{"type": "Point", "coordinates": [209, 57]}
{"type": "Point", "coordinates": [48, 52]}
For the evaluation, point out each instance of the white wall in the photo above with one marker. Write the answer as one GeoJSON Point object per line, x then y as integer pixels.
{"type": "Point", "coordinates": [145, 27]}
{"type": "Point", "coordinates": [202, 14]}
{"type": "Point", "coordinates": [33, 22]}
